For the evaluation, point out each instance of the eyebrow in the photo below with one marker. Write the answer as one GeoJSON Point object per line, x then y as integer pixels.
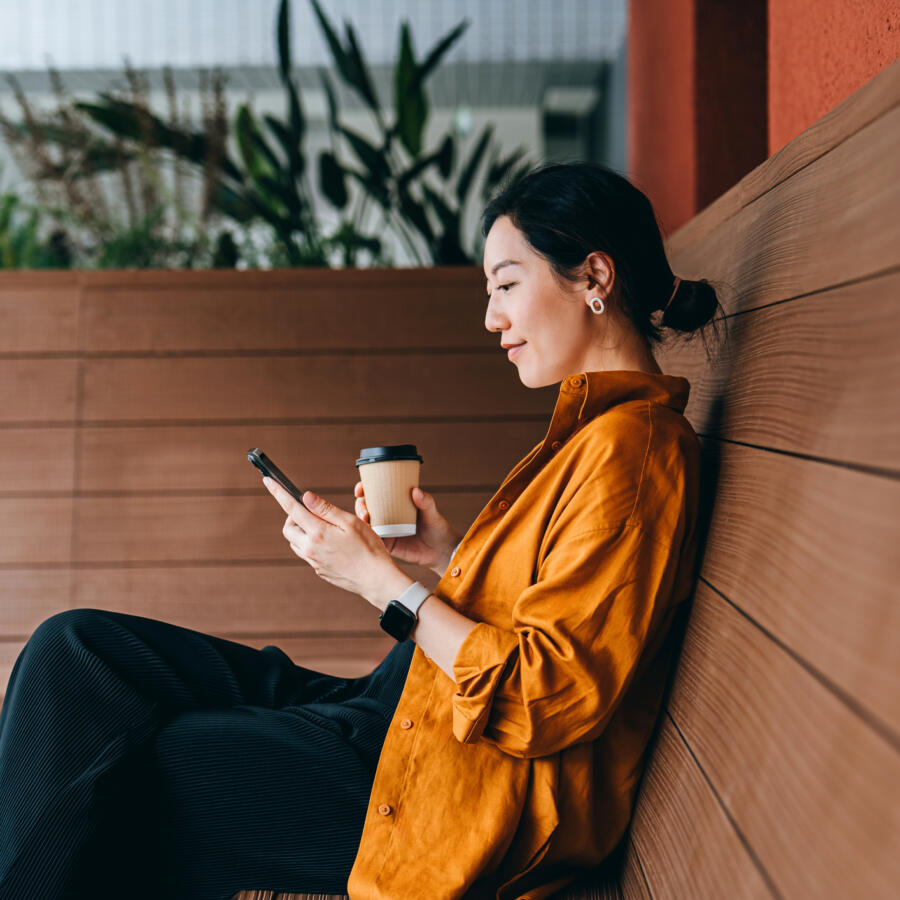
{"type": "Point", "coordinates": [502, 263]}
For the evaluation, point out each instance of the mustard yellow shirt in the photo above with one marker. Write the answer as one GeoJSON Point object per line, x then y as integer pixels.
{"type": "Point", "coordinates": [508, 779]}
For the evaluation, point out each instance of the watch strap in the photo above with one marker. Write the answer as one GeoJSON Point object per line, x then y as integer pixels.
{"type": "Point", "coordinates": [413, 597]}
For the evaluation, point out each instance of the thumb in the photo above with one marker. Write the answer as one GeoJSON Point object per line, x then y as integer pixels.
{"type": "Point", "coordinates": [424, 501]}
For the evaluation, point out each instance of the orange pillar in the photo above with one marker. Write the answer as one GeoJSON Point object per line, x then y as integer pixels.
{"type": "Point", "coordinates": [697, 100]}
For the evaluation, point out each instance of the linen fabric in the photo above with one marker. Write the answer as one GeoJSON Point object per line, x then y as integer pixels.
{"type": "Point", "coordinates": [519, 773]}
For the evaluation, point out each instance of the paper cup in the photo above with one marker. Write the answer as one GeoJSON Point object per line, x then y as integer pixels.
{"type": "Point", "coordinates": [388, 475]}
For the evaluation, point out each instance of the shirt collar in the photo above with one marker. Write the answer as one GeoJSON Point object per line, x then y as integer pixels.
{"type": "Point", "coordinates": [593, 393]}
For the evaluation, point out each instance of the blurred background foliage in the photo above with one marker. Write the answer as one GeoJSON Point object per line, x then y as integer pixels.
{"type": "Point", "coordinates": [118, 185]}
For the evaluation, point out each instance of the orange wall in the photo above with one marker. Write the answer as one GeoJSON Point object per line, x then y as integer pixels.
{"type": "Point", "coordinates": [820, 52]}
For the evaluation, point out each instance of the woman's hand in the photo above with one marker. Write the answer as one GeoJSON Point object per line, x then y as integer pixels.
{"type": "Point", "coordinates": [433, 541]}
{"type": "Point", "coordinates": [340, 548]}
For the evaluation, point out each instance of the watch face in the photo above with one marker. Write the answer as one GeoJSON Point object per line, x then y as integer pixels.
{"type": "Point", "coordinates": [397, 620]}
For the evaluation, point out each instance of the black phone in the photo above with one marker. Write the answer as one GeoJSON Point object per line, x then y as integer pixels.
{"type": "Point", "coordinates": [267, 467]}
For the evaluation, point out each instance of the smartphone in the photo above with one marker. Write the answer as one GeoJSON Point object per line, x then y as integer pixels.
{"type": "Point", "coordinates": [267, 467]}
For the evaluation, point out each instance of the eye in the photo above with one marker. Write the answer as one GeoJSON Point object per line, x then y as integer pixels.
{"type": "Point", "coordinates": [504, 287]}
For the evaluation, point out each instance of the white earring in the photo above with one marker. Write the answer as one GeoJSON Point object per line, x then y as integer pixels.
{"type": "Point", "coordinates": [592, 303]}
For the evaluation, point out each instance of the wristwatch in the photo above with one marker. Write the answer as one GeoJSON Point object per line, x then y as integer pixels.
{"type": "Point", "coordinates": [400, 615]}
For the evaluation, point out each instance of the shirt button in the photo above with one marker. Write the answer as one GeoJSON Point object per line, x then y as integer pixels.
{"type": "Point", "coordinates": [555, 445]}
{"type": "Point", "coordinates": [406, 723]}
{"type": "Point", "coordinates": [503, 504]}
{"type": "Point", "coordinates": [576, 382]}
{"type": "Point", "coordinates": [384, 809]}
{"type": "Point", "coordinates": [455, 571]}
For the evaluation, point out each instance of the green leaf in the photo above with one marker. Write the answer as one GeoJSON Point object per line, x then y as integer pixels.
{"type": "Point", "coordinates": [283, 35]}
{"type": "Point", "coordinates": [121, 118]}
{"type": "Point", "coordinates": [371, 157]}
{"type": "Point", "coordinates": [464, 182]}
{"type": "Point", "coordinates": [446, 155]}
{"type": "Point", "coordinates": [291, 148]}
{"type": "Point", "coordinates": [496, 170]}
{"type": "Point", "coordinates": [377, 189]}
{"type": "Point", "coordinates": [329, 94]}
{"type": "Point", "coordinates": [245, 130]}
{"type": "Point", "coordinates": [439, 49]}
{"type": "Point", "coordinates": [231, 203]}
{"type": "Point", "coordinates": [449, 218]}
{"type": "Point", "coordinates": [415, 212]}
{"type": "Point", "coordinates": [360, 73]}
{"type": "Point", "coordinates": [410, 105]}
{"type": "Point", "coordinates": [331, 180]}
{"type": "Point", "coordinates": [297, 121]}
{"type": "Point", "coordinates": [337, 51]}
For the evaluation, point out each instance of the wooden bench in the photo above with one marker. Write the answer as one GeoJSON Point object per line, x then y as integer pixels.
{"type": "Point", "coordinates": [775, 769]}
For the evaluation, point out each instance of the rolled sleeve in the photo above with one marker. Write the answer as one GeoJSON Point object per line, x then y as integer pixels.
{"type": "Point", "coordinates": [486, 651]}
{"type": "Point", "coordinates": [579, 632]}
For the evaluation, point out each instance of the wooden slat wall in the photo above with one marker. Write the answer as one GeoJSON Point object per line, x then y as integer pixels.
{"type": "Point", "coordinates": [776, 770]}
{"type": "Point", "coordinates": [128, 402]}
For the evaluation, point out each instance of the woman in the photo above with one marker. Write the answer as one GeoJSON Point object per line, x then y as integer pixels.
{"type": "Point", "coordinates": [496, 750]}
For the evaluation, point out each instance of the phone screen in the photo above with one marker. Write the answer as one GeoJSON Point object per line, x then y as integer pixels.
{"type": "Point", "coordinates": [267, 467]}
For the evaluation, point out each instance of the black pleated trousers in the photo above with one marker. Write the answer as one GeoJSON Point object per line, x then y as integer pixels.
{"type": "Point", "coordinates": [142, 759]}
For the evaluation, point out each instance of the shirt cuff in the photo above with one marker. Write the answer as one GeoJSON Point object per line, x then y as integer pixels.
{"type": "Point", "coordinates": [479, 665]}
{"type": "Point", "coordinates": [454, 551]}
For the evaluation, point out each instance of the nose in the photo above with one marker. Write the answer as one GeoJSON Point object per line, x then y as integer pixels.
{"type": "Point", "coordinates": [493, 320]}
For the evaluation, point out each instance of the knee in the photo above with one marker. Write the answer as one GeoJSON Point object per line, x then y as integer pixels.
{"type": "Point", "coordinates": [60, 627]}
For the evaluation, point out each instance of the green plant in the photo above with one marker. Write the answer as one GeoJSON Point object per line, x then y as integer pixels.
{"type": "Point", "coordinates": [418, 194]}
{"type": "Point", "coordinates": [80, 169]}
{"type": "Point", "coordinates": [22, 245]}
{"type": "Point", "coordinates": [395, 170]}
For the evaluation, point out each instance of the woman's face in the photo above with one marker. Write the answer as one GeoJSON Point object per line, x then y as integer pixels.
{"type": "Point", "coordinates": [527, 304]}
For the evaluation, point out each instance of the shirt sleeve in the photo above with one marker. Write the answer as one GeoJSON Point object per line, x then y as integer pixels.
{"type": "Point", "coordinates": [579, 631]}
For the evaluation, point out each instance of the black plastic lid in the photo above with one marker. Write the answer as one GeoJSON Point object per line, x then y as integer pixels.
{"type": "Point", "coordinates": [387, 454]}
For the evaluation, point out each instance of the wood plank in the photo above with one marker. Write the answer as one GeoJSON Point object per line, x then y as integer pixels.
{"type": "Point", "coordinates": [832, 222]}
{"type": "Point", "coordinates": [810, 376]}
{"type": "Point", "coordinates": [313, 276]}
{"type": "Point", "coordinates": [809, 551]}
{"type": "Point", "coordinates": [346, 657]}
{"type": "Point", "coordinates": [324, 387]}
{"type": "Point", "coordinates": [864, 106]}
{"type": "Point", "coordinates": [318, 457]}
{"type": "Point", "coordinates": [35, 530]}
{"type": "Point", "coordinates": [217, 528]}
{"type": "Point", "coordinates": [632, 884]}
{"type": "Point", "coordinates": [37, 390]}
{"type": "Point", "coordinates": [29, 597]}
{"type": "Point", "coordinates": [807, 782]}
{"type": "Point", "coordinates": [37, 459]}
{"type": "Point", "coordinates": [245, 599]}
{"type": "Point", "coordinates": [305, 312]}
{"type": "Point", "coordinates": [38, 317]}
{"type": "Point", "coordinates": [686, 845]}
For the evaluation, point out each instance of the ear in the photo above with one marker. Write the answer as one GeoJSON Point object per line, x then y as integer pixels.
{"type": "Point", "coordinates": [600, 271]}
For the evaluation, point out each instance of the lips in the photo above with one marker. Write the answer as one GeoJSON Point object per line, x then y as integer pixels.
{"type": "Point", "coordinates": [514, 351]}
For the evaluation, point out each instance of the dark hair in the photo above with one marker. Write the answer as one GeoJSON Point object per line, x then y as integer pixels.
{"type": "Point", "coordinates": [566, 211]}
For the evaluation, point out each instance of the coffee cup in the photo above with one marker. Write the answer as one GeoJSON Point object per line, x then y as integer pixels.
{"type": "Point", "coordinates": [388, 475]}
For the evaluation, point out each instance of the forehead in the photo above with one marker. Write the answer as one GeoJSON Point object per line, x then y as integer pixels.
{"type": "Point", "coordinates": [503, 244]}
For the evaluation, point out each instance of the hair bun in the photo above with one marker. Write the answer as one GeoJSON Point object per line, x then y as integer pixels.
{"type": "Point", "coordinates": [692, 306]}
